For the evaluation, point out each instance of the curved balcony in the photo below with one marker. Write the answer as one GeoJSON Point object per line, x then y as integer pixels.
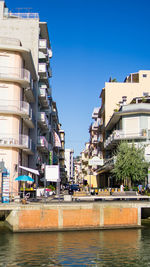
{"type": "Point", "coordinates": [18, 75]}
{"type": "Point", "coordinates": [17, 141]}
{"type": "Point", "coordinates": [20, 108]}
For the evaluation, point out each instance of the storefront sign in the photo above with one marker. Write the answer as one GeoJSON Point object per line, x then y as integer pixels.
{"type": "Point", "coordinates": [5, 186]}
{"type": "Point", "coordinates": [52, 173]}
{"type": "Point", "coordinates": [96, 161]}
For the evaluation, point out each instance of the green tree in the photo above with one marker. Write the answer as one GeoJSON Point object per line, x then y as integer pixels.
{"type": "Point", "coordinates": [130, 165]}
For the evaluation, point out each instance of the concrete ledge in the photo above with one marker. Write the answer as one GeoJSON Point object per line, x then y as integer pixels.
{"type": "Point", "coordinates": [74, 216]}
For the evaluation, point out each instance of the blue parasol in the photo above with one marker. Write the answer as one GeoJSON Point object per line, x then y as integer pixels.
{"type": "Point", "coordinates": [24, 178]}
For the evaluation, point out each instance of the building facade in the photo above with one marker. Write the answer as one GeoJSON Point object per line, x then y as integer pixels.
{"type": "Point", "coordinates": [116, 97]}
{"type": "Point", "coordinates": [131, 123]}
{"type": "Point", "coordinates": [69, 164]}
{"type": "Point", "coordinates": [28, 117]}
{"type": "Point", "coordinates": [77, 170]}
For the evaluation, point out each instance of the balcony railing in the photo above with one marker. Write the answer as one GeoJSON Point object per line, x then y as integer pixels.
{"type": "Point", "coordinates": [15, 107]}
{"type": "Point", "coordinates": [15, 74]}
{"type": "Point", "coordinates": [110, 161]}
{"type": "Point", "coordinates": [14, 140]}
{"type": "Point", "coordinates": [20, 108]}
{"type": "Point", "coordinates": [43, 144]}
{"type": "Point", "coordinates": [42, 117]}
{"type": "Point", "coordinates": [22, 15]}
{"type": "Point", "coordinates": [119, 135]}
{"type": "Point", "coordinates": [43, 71]}
{"type": "Point", "coordinates": [43, 121]}
{"type": "Point", "coordinates": [30, 92]}
{"type": "Point", "coordinates": [43, 45]}
{"type": "Point", "coordinates": [43, 96]}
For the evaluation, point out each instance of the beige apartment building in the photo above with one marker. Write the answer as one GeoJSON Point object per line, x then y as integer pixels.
{"type": "Point", "coordinates": [136, 84]}
{"type": "Point", "coordinates": [26, 115]}
{"type": "Point", "coordinates": [113, 96]}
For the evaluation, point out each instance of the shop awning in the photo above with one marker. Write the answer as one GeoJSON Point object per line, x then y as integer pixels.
{"type": "Point", "coordinates": [30, 170]}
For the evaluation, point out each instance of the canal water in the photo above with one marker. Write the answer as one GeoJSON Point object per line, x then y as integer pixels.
{"type": "Point", "coordinates": [82, 248]}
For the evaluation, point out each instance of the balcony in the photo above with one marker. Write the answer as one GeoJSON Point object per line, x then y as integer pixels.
{"type": "Point", "coordinates": [19, 75]}
{"type": "Point", "coordinates": [54, 114]}
{"type": "Point", "coordinates": [22, 15]}
{"type": "Point", "coordinates": [120, 135]}
{"type": "Point", "coordinates": [50, 54]}
{"type": "Point", "coordinates": [42, 144]}
{"type": "Point", "coordinates": [49, 92]}
{"type": "Point", "coordinates": [43, 97]}
{"type": "Point", "coordinates": [43, 46]}
{"type": "Point", "coordinates": [110, 161]}
{"type": "Point", "coordinates": [49, 72]}
{"type": "Point", "coordinates": [94, 152]}
{"type": "Point", "coordinates": [95, 113]}
{"type": "Point", "coordinates": [30, 92]}
{"type": "Point", "coordinates": [96, 124]}
{"type": "Point", "coordinates": [94, 139]}
{"type": "Point", "coordinates": [20, 108]}
{"type": "Point", "coordinates": [43, 71]}
{"type": "Point", "coordinates": [85, 159]}
{"type": "Point", "coordinates": [17, 141]}
{"type": "Point", "coordinates": [43, 121]}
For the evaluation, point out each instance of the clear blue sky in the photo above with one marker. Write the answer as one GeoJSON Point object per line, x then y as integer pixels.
{"type": "Point", "coordinates": [91, 41]}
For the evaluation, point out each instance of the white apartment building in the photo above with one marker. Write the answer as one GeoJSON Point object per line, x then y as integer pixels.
{"type": "Point", "coordinates": [69, 163]}
{"type": "Point", "coordinates": [26, 131]}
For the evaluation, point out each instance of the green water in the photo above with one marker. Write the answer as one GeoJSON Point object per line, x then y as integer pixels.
{"type": "Point", "coordinates": [83, 248]}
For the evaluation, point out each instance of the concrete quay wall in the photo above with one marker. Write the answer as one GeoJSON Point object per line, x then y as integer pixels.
{"type": "Point", "coordinates": [73, 216]}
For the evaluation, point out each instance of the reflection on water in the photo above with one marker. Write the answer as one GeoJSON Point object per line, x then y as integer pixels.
{"type": "Point", "coordinates": [82, 248]}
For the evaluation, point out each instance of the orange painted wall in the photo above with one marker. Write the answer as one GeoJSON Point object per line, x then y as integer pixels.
{"type": "Point", "coordinates": [81, 217]}
{"type": "Point", "coordinates": [120, 216]}
{"type": "Point", "coordinates": [55, 218]}
{"type": "Point", "coordinates": [35, 219]}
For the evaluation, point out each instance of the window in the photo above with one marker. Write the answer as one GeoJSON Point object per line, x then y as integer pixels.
{"type": "Point", "coordinates": [145, 93]}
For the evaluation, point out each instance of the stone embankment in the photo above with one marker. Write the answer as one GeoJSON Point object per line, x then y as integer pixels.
{"type": "Point", "coordinates": [74, 215]}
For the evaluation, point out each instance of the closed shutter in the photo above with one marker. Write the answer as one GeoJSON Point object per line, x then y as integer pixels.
{"type": "Point", "coordinates": [4, 62]}
{"type": "Point", "coordinates": [131, 126]}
